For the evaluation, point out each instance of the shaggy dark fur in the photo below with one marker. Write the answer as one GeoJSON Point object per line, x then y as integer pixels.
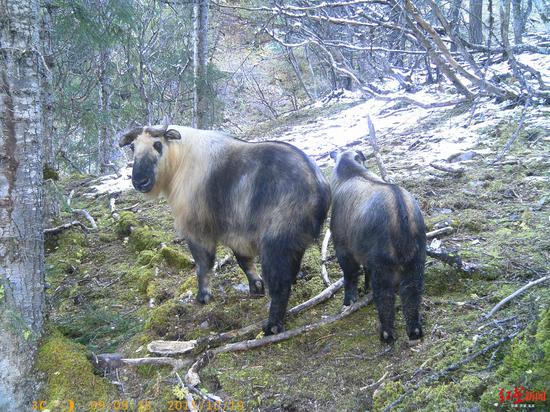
{"type": "Point", "coordinates": [379, 226]}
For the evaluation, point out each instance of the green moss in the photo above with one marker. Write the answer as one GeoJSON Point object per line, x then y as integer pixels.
{"type": "Point", "coordinates": [164, 318]}
{"type": "Point", "coordinates": [69, 373]}
{"type": "Point", "coordinates": [107, 237]}
{"type": "Point", "coordinates": [127, 221]}
{"type": "Point", "coordinates": [140, 278]}
{"type": "Point", "coordinates": [526, 363]}
{"type": "Point", "coordinates": [176, 258]}
{"type": "Point", "coordinates": [143, 238]}
{"type": "Point", "coordinates": [387, 394]}
{"type": "Point", "coordinates": [50, 173]}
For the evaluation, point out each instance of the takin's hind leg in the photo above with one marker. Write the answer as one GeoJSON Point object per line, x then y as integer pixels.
{"type": "Point", "coordinates": [280, 266]}
{"type": "Point", "coordinates": [255, 283]}
{"type": "Point", "coordinates": [383, 290]}
{"type": "Point", "coordinates": [204, 258]}
{"type": "Point", "coordinates": [410, 290]}
{"type": "Point", "coordinates": [351, 268]}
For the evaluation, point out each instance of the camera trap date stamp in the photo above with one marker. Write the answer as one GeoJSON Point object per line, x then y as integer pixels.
{"type": "Point", "coordinates": [142, 405]}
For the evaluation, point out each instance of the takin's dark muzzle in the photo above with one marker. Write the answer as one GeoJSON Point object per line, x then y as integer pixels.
{"type": "Point", "coordinates": [143, 174]}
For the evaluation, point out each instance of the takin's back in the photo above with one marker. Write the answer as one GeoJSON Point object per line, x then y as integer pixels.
{"type": "Point", "coordinates": [373, 220]}
{"type": "Point", "coordinates": [251, 191]}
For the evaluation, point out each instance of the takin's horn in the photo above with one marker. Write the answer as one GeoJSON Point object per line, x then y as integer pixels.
{"type": "Point", "coordinates": [158, 131]}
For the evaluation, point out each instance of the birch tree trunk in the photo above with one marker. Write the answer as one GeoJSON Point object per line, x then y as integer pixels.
{"type": "Point", "coordinates": [21, 224]}
{"type": "Point", "coordinates": [200, 54]}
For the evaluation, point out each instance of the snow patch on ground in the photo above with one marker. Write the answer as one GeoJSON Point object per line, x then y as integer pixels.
{"type": "Point", "coordinates": [111, 184]}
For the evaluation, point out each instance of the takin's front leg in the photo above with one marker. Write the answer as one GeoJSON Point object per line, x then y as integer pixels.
{"type": "Point", "coordinates": [255, 282]}
{"type": "Point", "coordinates": [204, 259]}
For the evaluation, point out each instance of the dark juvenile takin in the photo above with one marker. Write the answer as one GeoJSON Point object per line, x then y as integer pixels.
{"type": "Point", "coordinates": [379, 226]}
{"type": "Point", "coordinates": [267, 199]}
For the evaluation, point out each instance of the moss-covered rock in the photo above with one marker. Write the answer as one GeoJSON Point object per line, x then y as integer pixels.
{"type": "Point", "coordinates": [175, 258]}
{"type": "Point", "coordinates": [69, 373]}
{"type": "Point", "coordinates": [127, 222]}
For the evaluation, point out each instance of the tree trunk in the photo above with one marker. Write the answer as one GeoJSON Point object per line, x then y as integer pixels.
{"type": "Point", "coordinates": [454, 20]}
{"type": "Point", "coordinates": [519, 17]}
{"type": "Point", "coordinates": [475, 26]}
{"type": "Point", "coordinates": [105, 144]}
{"type": "Point", "coordinates": [21, 224]}
{"type": "Point", "coordinates": [200, 54]}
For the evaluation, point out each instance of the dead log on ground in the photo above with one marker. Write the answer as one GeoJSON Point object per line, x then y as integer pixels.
{"type": "Point", "coordinates": [447, 230]}
{"type": "Point", "coordinates": [458, 171]}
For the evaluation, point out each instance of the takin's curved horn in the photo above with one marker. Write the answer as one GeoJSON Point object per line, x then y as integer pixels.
{"type": "Point", "coordinates": [158, 131]}
{"type": "Point", "coordinates": [127, 136]}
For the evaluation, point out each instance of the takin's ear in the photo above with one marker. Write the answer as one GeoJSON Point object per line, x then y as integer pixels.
{"type": "Point", "coordinates": [360, 157]}
{"type": "Point", "coordinates": [172, 134]}
{"type": "Point", "coordinates": [334, 155]}
{"type": "Point", "coordinates": [128, 136]}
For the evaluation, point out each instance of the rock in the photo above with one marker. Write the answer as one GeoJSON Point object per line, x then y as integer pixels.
{"type": "Point", "coordinates": [461, 157]}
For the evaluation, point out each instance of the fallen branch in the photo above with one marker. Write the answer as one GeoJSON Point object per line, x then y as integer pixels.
{"type": "Point", "coordinates": [447, 169]}
{"type": "Point", "coordinates": [84, 213]}
{"type": "Point", "coordinates": [324, 248]}
{"type": "Point", "coordinates": [447, 230]}
{"type": "Point", "coordinates": [514, 295]}
{"type": "Point", "coordinates": [163, 347]}
{"type": "Point", "coordinates": [376, 150]}
{"type": "Point", "coordinates": [192, 376]}
{"type": "Point", "coordinates": [445, 257]}
{"type": "Point", "coordinates": [111, 361]}
{"type": "Point", "coordinates": [58, 229]}
{"type": "Point", "coordinates": [514, 135]}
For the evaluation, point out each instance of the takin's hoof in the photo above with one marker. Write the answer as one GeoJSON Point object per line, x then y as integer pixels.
{"type": "Point", "coordinates": [350, 299]}
{"type": "Point", "coordinates": [416, 334]}
{"type": "Point", "coordinates": [204, 297]}
{"type": "Point", "coordinates": [257, 289]}
{"type": "Point", "coordinates": [387, 337]}
{"type": "Point", "coordinates": [273, 329]}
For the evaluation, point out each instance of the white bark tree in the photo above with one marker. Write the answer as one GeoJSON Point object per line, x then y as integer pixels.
{"type": "Point", "coordinates": [21, 220]}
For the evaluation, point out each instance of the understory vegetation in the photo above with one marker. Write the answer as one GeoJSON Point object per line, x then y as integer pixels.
{"type": "Point", "coordinates": [116, 289]}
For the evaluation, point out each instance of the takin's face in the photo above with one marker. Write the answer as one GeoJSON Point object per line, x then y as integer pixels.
{"type": "Point", "coordinates": [149, 147]}
{"type": "Point", "coordinates": [148, 152]}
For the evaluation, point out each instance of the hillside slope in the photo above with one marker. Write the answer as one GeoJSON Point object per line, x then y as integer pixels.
{"type": "Point", "coordinates": [128, 283]}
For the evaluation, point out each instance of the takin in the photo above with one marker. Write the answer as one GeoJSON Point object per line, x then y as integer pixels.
{"type": "Point", "coordinates": [264, 199]}
{"type": "Point", "coordinates": [379, 226]}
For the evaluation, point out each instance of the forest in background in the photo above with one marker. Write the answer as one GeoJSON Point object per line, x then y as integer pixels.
{"type": "Point", "coordinates": [75, 73]}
